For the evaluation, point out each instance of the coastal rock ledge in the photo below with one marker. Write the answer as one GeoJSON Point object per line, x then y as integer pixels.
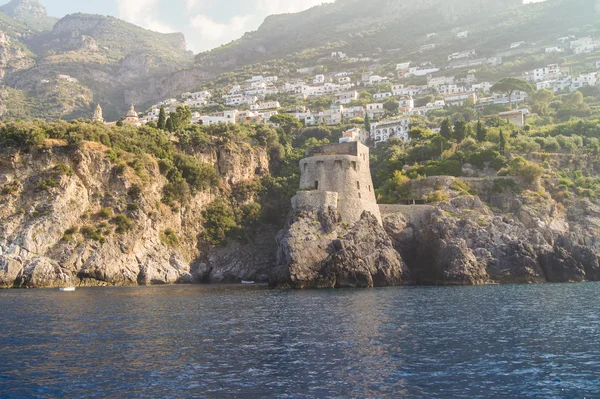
{"type": "Point", "coordinates": [318, 250]}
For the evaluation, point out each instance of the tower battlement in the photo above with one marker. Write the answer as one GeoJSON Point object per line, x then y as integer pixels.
{"type": "Point", "coordinates": [337, 170]}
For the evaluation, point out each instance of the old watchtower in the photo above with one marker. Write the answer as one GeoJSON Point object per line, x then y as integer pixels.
{"type": "Point", "coordinates": [337, 176]}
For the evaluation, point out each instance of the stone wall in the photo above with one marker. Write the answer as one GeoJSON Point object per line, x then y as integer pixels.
{"type": "Point", "coordinates": [415, 214]}
{"type": "Point", "coordinates": [317, 200]}
{"type": "Point", "coordinates": [347, 175]}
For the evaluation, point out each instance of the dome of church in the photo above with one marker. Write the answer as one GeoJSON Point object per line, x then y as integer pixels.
{"type": "Point", "coordinates": [132, 113]}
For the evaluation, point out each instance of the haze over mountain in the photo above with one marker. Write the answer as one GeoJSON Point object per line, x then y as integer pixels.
{"type": "Point", "coordinates": [85, 59]}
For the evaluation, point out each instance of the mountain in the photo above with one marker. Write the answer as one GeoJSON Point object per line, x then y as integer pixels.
{"type": "Point", "coordinates": [354, 25]}
{"type": "Point", "coordinates": [82, 60]}
{"type": "Point", "coordinates": [117, 63]}
{"type": "Point", "coordinates": [31, 13]}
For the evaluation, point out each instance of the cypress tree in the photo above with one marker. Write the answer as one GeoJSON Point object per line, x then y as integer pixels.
{"type": "Point", "coordinates": [460, 131]}
{"type": "Point", "coordinates": [446, 129]}
{"type": "Point", "coordinates": [162, 119]}
{"type": "Point", "coordinates": [502, 141]}
{"type": "Point", "coordinates": [367, 123]}
{"type": "Point", "coordinates": [481, 132]}
{"type": "Point", "coordinates": [169, 125]}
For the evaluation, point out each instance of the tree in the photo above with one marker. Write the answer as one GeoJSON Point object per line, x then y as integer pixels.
{"type": "Point", "coordinates": [367, 123]}
{"type": "Point", "coordinates": [162, 118]}
{"type": "Point", "coordinates": [542, 100]}
{"type": "Point", "coordinates": [481, 132]}
{"type": "Point", "coordinates": [509, 86]}
{"type": "Point", "coordinates": [460, 131]}
{"type": "Point", "coordinates": [446, 129]}
{"type": "Point", "coordinates": [392, 106]}
{"type": "Point", "coordinates": [181, 118]}
{"type": "Point", "coordinates": [502, 141]}
{"type": "Point", "coordinates": [169, 124]}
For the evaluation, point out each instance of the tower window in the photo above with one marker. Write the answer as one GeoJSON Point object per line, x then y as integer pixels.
{"type": "Point", "coordinates": [354, 165]}
{"type": "Point", "coordinates": [358, 185]}
{"type": "Point", "coordinates": [316, 185]}
{"type": "Point", "coordinates": [359, 196]}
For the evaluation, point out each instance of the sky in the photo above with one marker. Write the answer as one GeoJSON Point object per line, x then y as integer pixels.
{"type": "Point", "coordinates": [205, 23]}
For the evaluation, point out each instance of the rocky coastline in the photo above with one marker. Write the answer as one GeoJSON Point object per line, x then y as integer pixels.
{"type": "Point", "coordinates": [487, 237]}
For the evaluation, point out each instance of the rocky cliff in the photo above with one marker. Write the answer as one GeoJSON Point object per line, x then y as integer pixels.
{"type": "Point", "coordinates": [69, 217]}
{"type": "Point", "coordinates": [318, 250]}
{"type": "Point", "coordinates": [522, 238]}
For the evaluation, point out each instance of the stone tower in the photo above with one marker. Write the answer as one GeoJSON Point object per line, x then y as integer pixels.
{"type": "Point", "coordinates": [98, 114]}
{"type": "Point", "coordinates": [337, 176]}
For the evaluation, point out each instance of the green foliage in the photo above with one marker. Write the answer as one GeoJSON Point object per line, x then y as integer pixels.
{"type": "Point", "coordinates": [91, 233]}
{"type": "Point", "coordinates": [446, 129]}
{"type": "Point", "coordinates": [122, 223]}
{"type": "Point", "coordinates": [437, 196]}
{"type": "Point", "coordinates": [461, 186]}
{"type": "Point", "coordinates": [504, 185]}
{"type": "Point", "coordinates": [489, 157]}
{"type": "Point", "coordinates": [11, 188]}
{"type": "Point", "coordinates": [105, 213]}
{"type": "Point", "coordinates": [169, 238]}
{"type": "Point", "coordinates": [135, 191]}
{"type": "Point", "coordinates": [519, 166]}
{"type": "Point", "coordinates": [162, 118]}
{"type": "Point", "coordinates": [47, 184]}
{"type": "Point", "coordinates": [220, 220]}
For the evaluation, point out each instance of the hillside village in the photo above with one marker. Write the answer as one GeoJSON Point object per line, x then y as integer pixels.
{"type": "Point", "coordinates": [388, 95]}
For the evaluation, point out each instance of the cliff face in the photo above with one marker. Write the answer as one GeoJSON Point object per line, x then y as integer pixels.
{"type": "Point", "coordinates": [88, 225]}
{"type": "Point", "coordinates": [318, 250]}
{"type": "Point", "coordinates": [528, 239]}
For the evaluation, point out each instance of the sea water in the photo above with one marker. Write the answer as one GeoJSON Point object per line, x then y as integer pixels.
{"type": "Point", "coordinates": [521, 341]}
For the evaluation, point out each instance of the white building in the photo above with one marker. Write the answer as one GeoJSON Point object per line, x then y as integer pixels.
{"type": "Point", "coordinates": [265, 106]}
{"type": "Point", "coordinates": [225, 117]}
{"type": "Point", "coordinates": [396, 128]}
{"type": "Point", "coordinates": [354, 112]}
{"type": "Point", "coordinates": [584, 45]}
{"type": "Point", "coordinates": [418, 71]}
{"type": "Point", "coordinates": [355, 134]}
{"type": "Point", "coordinates": [346, 97]}
{"type": "Point", "coordinates": [463, 35]}
{"type": "Point", "coordinates": [319, 79]}
{"type": "Point", "coordinates": [461, 55]}
{"type": "Point", "coordinates": [516, 45]}
{"type": "Point", "coordinates": [239, 99]}
{"type": "Point", "coordinates": [402, 66]}
{"type": "Point", "coordinates": [375, 110]}
{"type": "Point", "coordinates": [381, 96]}
{"type": "Point", "coordinates": [588, 79]}
{"type": "Point", "coordinates": [460, 99]}
{"type": "Point", "coordinates": [344, 79]}
{"type": "Point", "coordinates": [550, 72]}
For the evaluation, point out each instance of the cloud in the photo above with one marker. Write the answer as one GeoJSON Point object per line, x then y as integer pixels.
{"type": "Point", "coordinates": [142, 13]}
{"type": "Point", "coordinates": [213, 33]}
{"type": "Point", "coordinates": [206, 33]}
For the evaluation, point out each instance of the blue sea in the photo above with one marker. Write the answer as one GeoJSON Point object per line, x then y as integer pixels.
{"type": "Point", "coordinates": [521, 341]}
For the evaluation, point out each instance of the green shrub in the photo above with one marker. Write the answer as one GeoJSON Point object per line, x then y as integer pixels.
{"type": "Point", "coordinates": [47, 184]}
{"type": "Point", "coordinates": [92, 233]}
{"type": "Point", "coordinates": [105, 213]}
{"type": "Point", "coordinates": [120, 169]}
{"type": "Point", "coordinates": [63, 170]}
{"type": "Point", "coordinates": [437, 196]}
{"type": "Point", "coordinates": [169, 237]}
{"type": "Point", "coordinates": [135, 191]}
{"type": "Point", "coordinates": [461, 186]}
{"type": "Point", "coordinates": [519, 166]}
{"type": "Point", "coordinates": [491, 157]}
{"type": "Point", "coordinates": [122, 222]}
{"type": "Point", "coordinates": [220, 220]}
{"type": "Point", "coordinates": [502, 185]}
{"type": "Point", "coordinates": [131, 207]}
{"type": "Point", "coordinates": [11, 188]}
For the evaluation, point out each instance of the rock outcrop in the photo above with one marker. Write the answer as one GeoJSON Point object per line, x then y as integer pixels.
{"type": "Point", "coordinates": [318, 250]}
{"type": "Point", "coordinates": [463, 242]}
{"type": "Point", "coordinates": [86, 226]}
